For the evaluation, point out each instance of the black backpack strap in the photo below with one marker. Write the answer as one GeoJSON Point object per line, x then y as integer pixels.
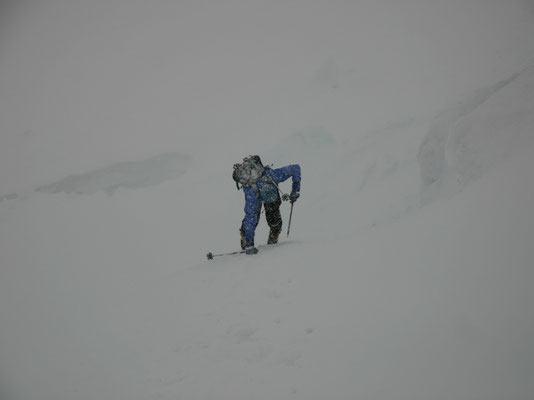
{"type": "Point", "coordinates": [256, 190]}
{"type": "Point", "coordinates": [272, 180]}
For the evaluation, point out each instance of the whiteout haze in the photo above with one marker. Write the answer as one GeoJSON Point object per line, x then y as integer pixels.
{"type": "Point", "coordinates": [408, 272]}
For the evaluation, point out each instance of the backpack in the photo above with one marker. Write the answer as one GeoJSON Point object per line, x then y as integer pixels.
{"type": "Point", "coordinates": [249, 173]}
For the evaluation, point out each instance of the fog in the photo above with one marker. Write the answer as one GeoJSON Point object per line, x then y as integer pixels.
{"type": "Point", "coordinates": [407, 272]}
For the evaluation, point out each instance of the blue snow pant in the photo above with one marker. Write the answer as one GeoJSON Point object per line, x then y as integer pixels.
{"type": "Point", "coordinates": [273, 217]}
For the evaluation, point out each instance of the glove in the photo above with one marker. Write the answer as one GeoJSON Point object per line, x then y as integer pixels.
{"type": "Point", "coordinates": [295, 194]}
{"type": "Point", "coordinates": [251, 250]}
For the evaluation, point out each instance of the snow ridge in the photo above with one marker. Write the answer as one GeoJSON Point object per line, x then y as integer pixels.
{"type": "Point", "coordinates": [455, 151]}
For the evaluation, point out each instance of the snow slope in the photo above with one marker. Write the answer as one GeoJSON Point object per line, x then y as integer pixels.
{"type": "Point", "coordinates": [408, 271]}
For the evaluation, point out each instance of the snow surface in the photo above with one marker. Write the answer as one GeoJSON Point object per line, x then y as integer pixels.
{"type": "Point", "coordinates": [408, 271]}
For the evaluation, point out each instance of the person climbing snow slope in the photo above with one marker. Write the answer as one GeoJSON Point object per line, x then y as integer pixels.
{"type": "Point", "coordinates": [260, 185]}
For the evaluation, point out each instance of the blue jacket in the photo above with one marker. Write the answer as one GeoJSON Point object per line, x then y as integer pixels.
{"type": "Point", "coordinates": [253, 203]}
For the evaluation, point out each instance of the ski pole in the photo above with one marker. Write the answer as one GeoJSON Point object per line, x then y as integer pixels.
{"type": "Point", "coordinates": [210, 255]}
{"type": "Point", "coordinates": [290, 215]}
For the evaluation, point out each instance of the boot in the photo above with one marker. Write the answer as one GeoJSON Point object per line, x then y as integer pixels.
{"type": "Point", "coordinates": [251, 250]}
{"type": "Point", "coordinates": [273, 237]}
{"type": "Point", "coordinates": [243, 240]}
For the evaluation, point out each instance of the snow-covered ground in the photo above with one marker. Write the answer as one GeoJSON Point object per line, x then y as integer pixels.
{"type": "Point", "coordinates": [408, 271]}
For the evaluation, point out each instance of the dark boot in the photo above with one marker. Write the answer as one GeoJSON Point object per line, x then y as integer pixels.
{"type": "Point", "coordinates": [273, 237]}
{"type": "Point", "coordinates": [243, 239]}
